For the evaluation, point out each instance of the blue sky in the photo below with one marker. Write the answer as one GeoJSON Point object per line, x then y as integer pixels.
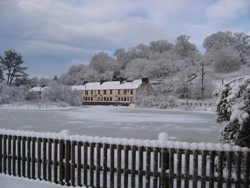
{"type": "Point", "coordinates": [53, 35]}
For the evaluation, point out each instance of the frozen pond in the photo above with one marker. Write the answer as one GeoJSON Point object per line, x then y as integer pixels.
{"type": "Point", "coordinates": [111, 121]}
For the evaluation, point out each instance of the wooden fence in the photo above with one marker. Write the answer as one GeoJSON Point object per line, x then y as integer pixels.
{"type": "Point", "coordinates": [199, 104]}
{"type": "Point", "coordinates": [72, 162]}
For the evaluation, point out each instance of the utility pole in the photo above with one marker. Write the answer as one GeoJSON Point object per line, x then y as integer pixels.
{"type": "Point", "coordinates": [202, 80]}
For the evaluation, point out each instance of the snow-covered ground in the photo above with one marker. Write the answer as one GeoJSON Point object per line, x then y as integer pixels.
{"type": "Point", "coordinates": [17, 182]}
{"type": "Point", "coordinates": [109, 121]}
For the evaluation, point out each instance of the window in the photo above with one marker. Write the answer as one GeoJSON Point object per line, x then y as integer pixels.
{"type": "Point", "coordinates": [110, 92]}
{"type": "Point", "coordinates": [110, 99]}
{"type": "Point", "coordinates": [131, 91]}
{"type": "Point", "coordinates": [125, 91]}
{"type": "Point", "coordinates": [86, 92]}
{"type": "Point", "coordinates": [104, 92]}
{"type": "Point", "coordinates": [118, 98]}
{"type": "Point", "coordinates": [99, 92]}
{"type": "Point", "coordinates": [124, 98]}
{"type": "Point", "coordinates": [119, 92]}
{"type": "Point", "coordinates": [91, 92]}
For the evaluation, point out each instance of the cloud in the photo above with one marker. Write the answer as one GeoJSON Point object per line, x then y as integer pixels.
{"type": "Point", "coordinates": [226, 10]}
{"type": "Point", "coordinates": [59, 32]}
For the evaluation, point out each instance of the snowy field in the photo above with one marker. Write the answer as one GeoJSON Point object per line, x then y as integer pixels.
{"type": "Point", "coordinates": [109, 121]}
{"type": "Point", "coordinates": [17, 182]}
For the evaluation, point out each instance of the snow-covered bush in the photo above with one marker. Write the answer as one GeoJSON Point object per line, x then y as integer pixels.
{"type": "Point", "coordinates": [161, 102]}
{"type": "Point", "coordinates": [58, 93]}
{"type": "Point", "coordinates": [10, 94]}
{"type": "Point", "coordinates": [233, 107]}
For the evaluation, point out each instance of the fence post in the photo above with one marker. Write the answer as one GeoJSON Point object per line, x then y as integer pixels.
{"type": "Point", "coordinates": [23, 156]}
{"type": "Point", "coordinates": [33, 159]}
{"type": "Point", "coordinates": [148, 166]}
{"type": "Point", "coordinates": [85, 164]}
{"type": "Point", "coordinates": [44, 161]}
{"type": "Point", "coordinates": [50, 159]}
{"type": "Point", "coordinates": [28, 156]}
{"type": "Point", "coordinates": [112, 170]}
{"type": "Point", "coordinates": [203, 168]}
{"type": "Point", "coordinates": [119, 166]}
{"type": "Point", "coordinates": [229, 168]}
{"type": "Point", "coordinates": [39, 170]}
{"type": "Point", "coordinates": [187, 167]}
{"type": "Point", "coordinates": [238, 168]}
{"type": "Point", "coordinates": [171, 167]}
{"type": "Point", "coordinates": [247, 166]}
{"type": "Point", "coordinates": [141, 162]}
{"type": "Point", "coordinates": [163, 182]}
{"type": "Point", "coordinates": [61, 163]}
{"type": "Point", "coordinates": [133, 165]}
{"type": "Point", "coordinates": [9, 154]}
{"type": "Point", "coordinates": [92, 162]}
{"type": "Point", "coordinates": [195, 168]}
{"type": "Point", "coordinates": [126, 158]}
{"type": "Point", "coordinates": [14, 157]}
{"type": "Point", "coordinates": [179, 164]}
{"type": "Point", "coordinates": [155, 172]}
{"type": "Point", "coordinates": [55, 160]}
{"type": "Point", "coordinates": [66, 154]}
{"type": "Point", "coordinates": [98, 164]}
{"type": "Point", "coordinates": [220, 169]}
{"type": "Point", "coordinates": [79, 163]}
{"type": "Point", "coordinates": [4, 154]}
{"type": "Point", "coordinates": [19, 158]}
{"type": "Point", "coordinates": [211, 167]}
{"type": "Point", "coordinates": [1, 153]}
{"type": "Point", "coordinates": [73, 162]}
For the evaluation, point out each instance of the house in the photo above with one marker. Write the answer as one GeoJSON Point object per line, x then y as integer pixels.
{"type": "Point", "coordinates": [37, 91]}
{"type": "Point", "coordinates": [114, 92]}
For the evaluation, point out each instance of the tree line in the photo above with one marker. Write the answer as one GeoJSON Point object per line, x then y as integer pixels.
{"type": "Point", "coordinates": [173, 68]}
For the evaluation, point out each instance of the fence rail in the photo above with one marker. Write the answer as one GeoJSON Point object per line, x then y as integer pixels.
{"type": "Point", "coordinates": [72, 162]}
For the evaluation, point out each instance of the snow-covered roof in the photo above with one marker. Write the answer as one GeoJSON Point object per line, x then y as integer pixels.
{"type": "Point", "coordinates": [37, 89]}
{"type": "Point", "coordinates": [109, 85]}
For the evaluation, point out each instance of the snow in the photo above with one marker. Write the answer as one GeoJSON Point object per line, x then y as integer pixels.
{"type": "Point", "coordinates": [19, 182]}
{"type": "Point", "coordinates": [36, 89]}
{"type": "Point", "coordinates": [109, 85]}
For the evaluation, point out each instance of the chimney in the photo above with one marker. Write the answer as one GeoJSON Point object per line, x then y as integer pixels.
{"type": "Point", "coordinates": [121, 80]}
{"type": "Point", "coordinates": [102, 81]}
{"type": "Point", "coordinates": [145, 80]}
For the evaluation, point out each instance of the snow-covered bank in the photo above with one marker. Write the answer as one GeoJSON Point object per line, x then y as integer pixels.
{"type": "Point", "coordinates": [36, 105]}
{"type": "Point", "coordinates": [19, 182]}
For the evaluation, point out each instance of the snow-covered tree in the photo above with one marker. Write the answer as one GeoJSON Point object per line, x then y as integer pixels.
{"type": "Point", "coordinates": [184, 48]}
{"type": "Point", "coordinates": [226, 59]}
{"type": "Point", "coordinates": [102, 62]}
{"type": "Point", "coordinates": [160, 46]}
{"type": "Point", "coordinates": [234, 107]}
{"type": "Point", "coordinates": [10, 94]}
{"type": "Point", "coordinates": [1, 75]}
{"type": "Point", "coordinates": [11, 63]}
{"type": "Point", "coordinates": [58, 93]}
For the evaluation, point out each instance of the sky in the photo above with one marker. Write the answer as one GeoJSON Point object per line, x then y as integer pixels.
{"type": "Point", "coordinates": [53, 35]}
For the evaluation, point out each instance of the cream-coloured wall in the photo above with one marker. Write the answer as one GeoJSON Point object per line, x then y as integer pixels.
{"type": "Point", "coordinates": [122, 95]}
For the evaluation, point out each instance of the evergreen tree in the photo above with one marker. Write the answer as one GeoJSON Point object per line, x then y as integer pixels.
{"type": "Point", "coordinates": [234, 108]}
{"type": "Point", "coordinates": [11, 64]}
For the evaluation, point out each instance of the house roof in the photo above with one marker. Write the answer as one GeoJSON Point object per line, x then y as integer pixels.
{"type": "Point", "coordinates": [38, 89]}
{"type": "Point", "coordinates": [109, 85]}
